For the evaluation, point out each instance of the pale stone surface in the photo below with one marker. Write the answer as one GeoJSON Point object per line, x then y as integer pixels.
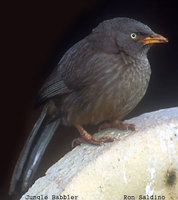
{"type": "Point", "coordinates": [143, 162]}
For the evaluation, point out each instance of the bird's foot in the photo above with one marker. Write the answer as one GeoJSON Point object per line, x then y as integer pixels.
{"type": "Point", "coordinates": [118, 124]}
{"type": "Point", "coordinates": [94, 141]}
{"type": "Point", "coordinates": [87, 138]}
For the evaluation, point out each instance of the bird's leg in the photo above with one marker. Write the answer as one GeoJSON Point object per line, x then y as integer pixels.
{"type": "Point", "coordinates": [116, 123]}
{"type": "Point", "coordinates": [87, 138]}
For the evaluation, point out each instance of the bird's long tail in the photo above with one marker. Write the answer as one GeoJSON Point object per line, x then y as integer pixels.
{"type": "Point", "coordinates": [32, 153]}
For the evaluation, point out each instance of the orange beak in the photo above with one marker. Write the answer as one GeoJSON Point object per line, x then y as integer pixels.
{"type": "Point", "coordinates": [155, 38]}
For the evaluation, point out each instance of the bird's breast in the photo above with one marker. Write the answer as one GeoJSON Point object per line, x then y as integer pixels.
{"type": "Point", "coordinates": [119, 89]}
{"type": "Point", "coordinates": [114, 90]}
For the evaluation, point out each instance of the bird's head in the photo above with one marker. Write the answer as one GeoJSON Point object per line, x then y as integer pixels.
{"type": "Point", "coordinates": [127, 35]}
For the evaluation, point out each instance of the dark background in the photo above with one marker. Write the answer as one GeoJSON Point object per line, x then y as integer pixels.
{"type": "Point", "coordinates": [36, 35]}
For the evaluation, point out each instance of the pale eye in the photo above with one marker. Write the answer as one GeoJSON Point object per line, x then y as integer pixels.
{"type": "Point", "coordinates": [133, 35]}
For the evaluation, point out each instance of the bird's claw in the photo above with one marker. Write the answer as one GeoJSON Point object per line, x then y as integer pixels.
{"type": "Point", "coordinates": [92, 140]}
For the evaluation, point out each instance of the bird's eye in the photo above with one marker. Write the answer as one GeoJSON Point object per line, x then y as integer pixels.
{"type": "Point", "coordinates": [133, 35]}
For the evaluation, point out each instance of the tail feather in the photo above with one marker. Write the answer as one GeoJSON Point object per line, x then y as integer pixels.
{"type": "Point", "coordinates": [38, 152]}
{"type": "Point", "coordinates": [32, 153]}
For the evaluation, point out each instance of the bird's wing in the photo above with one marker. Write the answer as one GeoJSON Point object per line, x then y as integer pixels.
{"type": "Point", "coordinates": [69, 75]}
{"type": "Point", "coordinates": [53, 86]}
{"type": "Point", "coordinates": [81, 66]}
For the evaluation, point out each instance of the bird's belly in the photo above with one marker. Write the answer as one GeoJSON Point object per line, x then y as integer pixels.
{"type": "Point", "coordinates": [117, 102]}
{"type": "Point", "coordinates": [105, 101]}
{"type": "Point", "coordinates": [99, 108]}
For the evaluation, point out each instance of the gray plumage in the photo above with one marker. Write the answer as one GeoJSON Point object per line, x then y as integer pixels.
{"type": "Point", "coordinates": [100, 73]}
{"type": "Point", "coordinates": [101, 77]}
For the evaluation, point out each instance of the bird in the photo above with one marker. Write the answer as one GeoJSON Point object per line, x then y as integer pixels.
{"type": "Point", "coordinates": [98, 81]}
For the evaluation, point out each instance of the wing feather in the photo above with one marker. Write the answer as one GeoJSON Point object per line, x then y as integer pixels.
{"type": "Point", "coordinates": [65, 78]}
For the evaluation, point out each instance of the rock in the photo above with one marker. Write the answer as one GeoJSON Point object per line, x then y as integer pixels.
{"type": "Point", "coordinates": [139, 165]}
